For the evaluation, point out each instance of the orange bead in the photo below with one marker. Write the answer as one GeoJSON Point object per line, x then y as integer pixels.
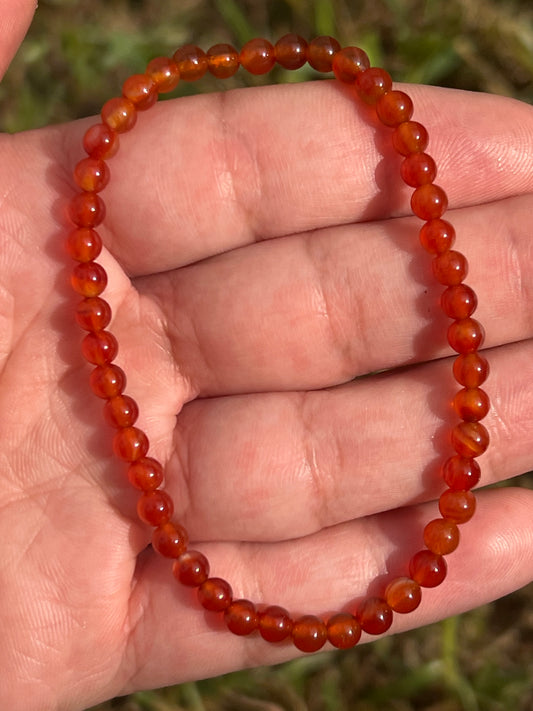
{"type": "Point", "coordinates": [164, 73]}
{"type": "Point", "coordinates": [348, 63]}
{"type": "Point", "coordinates": [471, 404]}
{"type": "Point", "coordinates": [450, 267]}
{"type": "Point", "coordinates": [437, 236]}
{"type": "Point", "coordinates": [321, 52]}
{"type": "Point", "coordinates": [257, 56]}
{"type": "Point", "coordinates": [309, 633]}
{"type": "Point", "coordinates": [344, 630]}
{"type": "Point", "coordinates": [87, 209]}
{"type": "Point", "coordinates": [375, 615]}
{"type": "Point", "coordinates": [170, 540]}
{"type": "Point", "coordinates": [403, 595]}
{"type": "Point", "coordinates": [418, 169]}
{"type": "Point", "coordinates": [141, 90]}
{"type": "Point", "coordinates": [100, 141]}
{"type": "Point", "coordinates": [155, 507]}
{"type": "Point", "coordinates": [410, 137]}
{"type": "Point", "coordinates": [130, 443]}
{"type": "Point", "coordinates": [470, 439]}
{"type": "Point", "coordinates": [275, 624]}
{"type": "Point", "coordinates": [215, 594]}
{"type": "Point", "coordinates": [191, 569]}
{"type": "Point", "coordinates": [107, 381]}
{"type": "Point", "coordinates": [441, 536]}
{"type": "Point", "coordinates": [91, 174]}
{"type": "Point", "coordinates": [222, 60]}
{"type": "Point", "coordinates": [88, 279]}
{"type": "Point", "coordinates": [466, 335]}
{"type": "Point", "coordinates": [428, 569]}
{"type": "Point", "coordinates": [84, 244]}
{"type": "Point", "coordinates": [458, 301]}
{"type": "Point", "coordinates": [372, 84]}
{"type": "Point", "coordinates": [191, 61]}
{"type": "Point", "coordinates": [291, 51]}
{"type": "Point", "coordinates": [99, 347]}
{"type": "Point", "coordinates": [429, 202]}
{"type": "Point", "coordinates": [93, 314]}
{"type": "Point", "coordinates": [241, 617]}
{"type": "Point", "coordinates": [394, 107]}
{"type": "Point", "coordinates": [146, 473]}
{"type": "Point", "coordinates": [121, 411]}
{"type": "Point", "coordinates": [471, 369]}
{"type": "Point", "coordinates": [458, 506]}
{"type": "Point", "coordinates": [460, 473]}
{"type": "Point", "coordinates": [119, 114]}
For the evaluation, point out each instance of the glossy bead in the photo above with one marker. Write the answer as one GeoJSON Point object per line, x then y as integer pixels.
{"type": "Point", "coordinates": [222, 60]}
{"type": "Point", "coordinates": [257, 56]}
{"type": "Point", "coordinates": [450, 268]}
{"type": "Point", "coordinates": [321, 51]}
{"type": "Point", "coordinates": [155, 507]}
{"type": "Point", "coordinates": [119, 114]}
{"type": "Point", "coordinates": [466, 335]}
{"type": "Point", "coordinates": [241, 617]}
{"type": "Point", "coordinates": [87, 209]}
{"type": "Point", "coordinates": [275, 624]}
{"type": "Point", "coordinates": [471, 369]}
{"type": "Point", "coordinates": [437, 236]}
{"type": "Point", "coordinates": [344, 630]}
{"type": "Point", "coordinates": [93, 314]}
{"type": "Point", "coordinates": [394, 107]}
{"type": "Point", "coordinates": [170, 540]}
{"type": "Point", "coordinates": [441, 536]}
{"type": "Point", "coordinates": [91, 174]}
{"type": "Point", "coordinates": [88, 279]}
{"type": "Point", "coordinates": [164, 72]}
{"type": "Point", "coordinates": [100, 141]}
{"type": "Point", "coordinates": [418, 169]}
{"type": "Point", "coordinates": [84, 244]}
{"type": "Point", "coordinates": [372, 84]}
{"type": "Point", "coordinates": [460, 473]}
{"type": "Point", "coordinates": [375, 615]}
{"type": "Point", "coordinates": [146, 473]}
{"type": "Point", "coordinates": [107, 380]}
{"type": "Point", "coordinates": [429, 202]}
{"type": "Point", "coordinates": [471, 404]}
{"type": "Point", "coordinates": [99, 347]}
{"type": "Point", "coordinates": [403, 595]}
{"type": "Point", "coordinates": [458, 506]}
{"type": "Point", "coordinates": [141, 90]}
{"type": "Point", "coordinates": [470, 439]}
{"type": "Point", "coordinates": [121, 411]}
{"type": "Point", "coordinates": [130, 443]}
{"type": "Point", "coordinates": [215, 594]}
{"type": "Point", "coordinates": [191, 569]}
{"type": "Point", "coordinates": [191, 61]}
{"type": "Point", "coordinates": [410, 137]}
{"type": "Point", "coordinates": [348, 63]}
{"type": "Point", "coordinates": [428, 569]}
{"type": "Point", "coordinates": [291, 51]}
{"type": "Point", "coordinates": [309, 633]}
{"type": "Point", "coordinates": [458, 301]}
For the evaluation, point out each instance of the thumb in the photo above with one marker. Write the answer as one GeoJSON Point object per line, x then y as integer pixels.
{"type": "Point", "coordinates": [15, 18]}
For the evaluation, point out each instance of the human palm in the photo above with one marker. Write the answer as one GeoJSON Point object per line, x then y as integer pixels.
{"type": "Point", "coordinates": [260, 258]}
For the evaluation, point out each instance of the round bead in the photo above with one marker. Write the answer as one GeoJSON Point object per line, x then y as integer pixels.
{"type": "Point", "coordinates": [170, 540]}
{"type": "Point", "coordinates": [375, 615]}
{"type": "Point", "coordinates": [309, 633]}
{"type": "Point", "coordinates": [91, 174]}
{"type": "Point", "coordinates": [429, 201]}
{"type": "Point", "coordinates": [441, 536]}
{"type": "Point", "coordinates": [466, 335]}
{"type": "Point", "coordinates": [121, 411]}
{"type": "Point", "coordinates": [418, 169]}
{"type": "Point", "coordinates": [93, 314]}
{"type": "Point", "coordinates": [437, 236]}
{"type": "Point", "coordinates": [458, 301]}
{"type": "Point", "coordinates": [241, 617]}
{"type": "Point", "coordinates": [164, 72]}
{"type": "Point", "coordinates": [88, 279]}
{"type": "Point", "coordinates": [191, 61]}
{"type": "Point", "coordinates": [155, 507]}
{"type": "Point", "coordinates": [84, 244]}
{"type": "Point", "coordinates": [275, 624]}
{"type": "Point", "coordinates": [130, 443]}
{"type": "Point", "coordinates": [471, 369]}
{"type": "Point", "coordinates": [107, 380]}
{"type": "Point", "coordinates": [222, 60]}
{"type": "Point", "coordinates": [428, 569]}
{"type": "Point", "coordinates": [348, 63]}
{"type": "Point", "coordinates": [119, 114]}
{"type": "Point", "coordinates": [321, 52]}
{"type": "Point", "coordinates": [291, 51]}
{"type": "Point", "coordinates": [403, 595]}
{"type": "Point", "coordinates": [215, 594]}
{"type": "Point", "coordinates": [471, 404]}
{"type": "Point", "coordinates": [146, 473]}
{"type": "Point", "coordinates": [450, 268]}
{"type": "Point", "coordinates": [460, 473]}
{"type": "Point", "coordinates": [470, 439]}
{"type": "Point", "coordinates": [410, 137]}
{"type": "Point", "coordinates": [99, 347]}
{"type": "Point", "coordinates": [344, 630]}
{"type": "Point", "coordinates": [191, 569]}
{"type": "Point", "coordinates": [458, 506]}
{"type": "Point", "coordinates": [87, 209]}
{"type": "Point", "coordinates": [100, 141]}
{"type": "Point", "coordinates": [257, 56]}
{"type": "Point", "coordinates": [141, 90]}
{"type": "Point", "coordinates": [372, 84]}
{"type": "Point", "coordinates": [394, 107]}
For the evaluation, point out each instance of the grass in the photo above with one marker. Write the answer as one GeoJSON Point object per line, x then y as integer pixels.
{"type": "Point", "coordinates": [75, 56]}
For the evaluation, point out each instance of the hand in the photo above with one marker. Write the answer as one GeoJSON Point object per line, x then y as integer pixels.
{"type": "Point", "coordinates": [260, 257]}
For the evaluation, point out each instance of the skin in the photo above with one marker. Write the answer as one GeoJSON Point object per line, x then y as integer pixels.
{"type": "Point", "coordinates": [260, 256]}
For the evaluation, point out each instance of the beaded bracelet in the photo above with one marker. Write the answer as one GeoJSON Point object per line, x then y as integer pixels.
{"type": "Point", "coordinates": [469, 438]}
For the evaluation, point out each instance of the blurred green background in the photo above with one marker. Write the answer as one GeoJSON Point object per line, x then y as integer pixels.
{"type": "Point", "coordinates": [77, 55]}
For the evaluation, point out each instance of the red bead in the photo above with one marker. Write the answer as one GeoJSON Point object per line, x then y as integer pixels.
{"type": "Point", "coordinates": [321, 51]}
{"type": "Point", "coordinates": [107, 380]}
{"type": "Point", "coordinates": [466, 335]}
{"type": "Point", "coordinates": [215, 594]}
{"type": "Point", "coordinates": [450, 268]}
{"type": "Point", "coordinates": [275, 624]}
{"type": "Point", "coordinates": [155, 507]}
{"type": "Point", "coordinates": [410, 137]}
{"type": "Point", "coordinates": [100, 141]}
{"type": "Point", "coordinates": [84, 244]}
{"type": "Point", "coordinates": [164, 72]}
{"type": "Point", "coordinates": [91, 174]}
{"type": "Point", "coordinates": [191, 569]}
{"type": "Point", "coordinates": [429, 201]}
{"type": "Point", "coordinates": [119, 114]}
{"type": "Point", "coordinates": [93, 314]}
{"type": "Point", "coordinates": [375, 615]}
{"type": "Point", "coordinates": [394, 107]}
{"type": "Point", "coordinates": [146, 473]}
{"type": "Point", "coordinates": [309, 633]}
{"type": "Point", "coordinates": [88, 279]}
{"type": "Point", "coordinates": [191, 61]}
{"type": "Point", "coordinates": [403, 595]}
{"type": "Point", "coordinates": [257, 56]}
{"type": "Point", "coordinates": [141, 90]}
{"type": "Point", "coordinates": [470, 439]}
{"type": "Point", "coordinates": [291, 51]}
{"type": "Point", "coordinates": [241, 617]}
{"type": "Point", "coordinates": [428, 569]}
{"type": "Point", "coordinates": [222, 60]}
{"type": "Point", "coordinates": [87, 209]}
{"type": "Point", "coordinates": [460, 473]}
{"type": "Point", "coordinates": [99, 347]}
{"type": "Point", "coordinates": [372, 84]}
{"type": "Point", "coordinates": [471, 404]}
{"type": "Point", "coordinates": [130, 443]}
{"type": "Point", "coordinates": [458, 301]}
{"type": "Point", "coordinates": [121, 411]}
{"type": "Point", "coordinates": [437, 236]}
{"type": "Point", "coordinates": [344, 630]}
{"type": "Point", "coordinates": [441, 536]}
{"type": "Point", "coordinates": [418, 169]}
{"type": "Point", "coordinates": [471, 369]}
{"type": "Point", "coordinates": [170, 540]}
{"type": "Point", "coordinates": [458, 506]}
{"type": "Point", "coordinates": [349, 62]}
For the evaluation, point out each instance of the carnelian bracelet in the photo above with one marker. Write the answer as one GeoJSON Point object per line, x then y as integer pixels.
{"type": "Point", "coordinates": [469, 438]}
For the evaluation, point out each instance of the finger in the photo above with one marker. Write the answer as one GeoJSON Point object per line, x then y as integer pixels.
{"type": "Point", "coordinates": [15, 18]}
